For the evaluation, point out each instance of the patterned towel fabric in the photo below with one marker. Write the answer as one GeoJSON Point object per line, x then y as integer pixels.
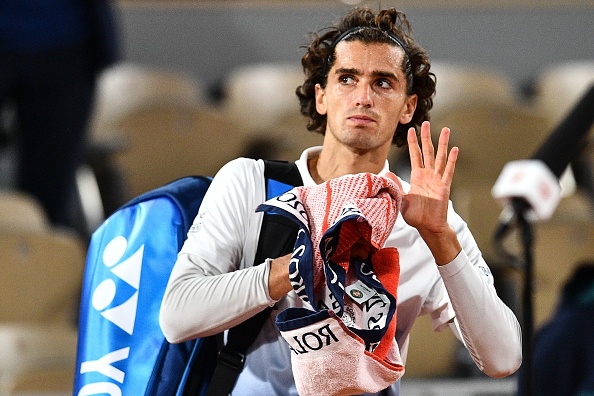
{"type": "Point", "coordinates": [343, 343]}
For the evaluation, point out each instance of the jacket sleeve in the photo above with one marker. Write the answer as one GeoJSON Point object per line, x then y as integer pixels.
{"type": "Point", "coordinates": [213, 285]}
{"type": "Point", "coordinates": [488, 328]}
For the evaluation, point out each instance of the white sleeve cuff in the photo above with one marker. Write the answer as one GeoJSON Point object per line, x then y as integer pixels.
{"type": "Point", "coordinates": [454, 266]}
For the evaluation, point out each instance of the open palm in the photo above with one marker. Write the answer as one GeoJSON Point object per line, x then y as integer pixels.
{"type": "Point", "coordinates": [426, 204]}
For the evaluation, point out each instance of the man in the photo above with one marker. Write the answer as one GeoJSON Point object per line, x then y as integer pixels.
{"type": "Point", "coordinates": [366, 79]}
{"type": "Point", "coordinates": [52, 52]}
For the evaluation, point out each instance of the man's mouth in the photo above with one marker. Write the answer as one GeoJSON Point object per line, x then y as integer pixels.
{"type": "Point", "coordinates": [361, 119]}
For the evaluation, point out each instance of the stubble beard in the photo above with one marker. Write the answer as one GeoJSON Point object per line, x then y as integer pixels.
{"type": "Point", "coordinates": [361, 139]}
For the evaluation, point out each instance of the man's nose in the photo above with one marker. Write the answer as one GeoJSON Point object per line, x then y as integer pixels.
{"type": "Point", "coordinates": [364, 95]}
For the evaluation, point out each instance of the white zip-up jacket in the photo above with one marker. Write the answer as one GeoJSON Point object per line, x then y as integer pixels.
{"type": "Point", "coordinates": [214, 285]}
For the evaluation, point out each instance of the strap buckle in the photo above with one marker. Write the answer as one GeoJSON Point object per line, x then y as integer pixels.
{"type": "Point", "coordinates": [231, 358]}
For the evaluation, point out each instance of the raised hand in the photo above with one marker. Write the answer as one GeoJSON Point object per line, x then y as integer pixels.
{"type": "Point", "coordinates": [425, 206]}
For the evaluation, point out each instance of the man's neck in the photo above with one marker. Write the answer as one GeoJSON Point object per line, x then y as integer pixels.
{"type": "Point", "coordinates": [332, 163]}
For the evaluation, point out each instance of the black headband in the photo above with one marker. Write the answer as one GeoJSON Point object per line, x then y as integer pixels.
{"type": "Point", "coordinates": [359, 29]}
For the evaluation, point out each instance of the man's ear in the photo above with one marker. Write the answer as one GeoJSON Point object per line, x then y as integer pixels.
{"type": "Point", "coordinates": [409, 109]}
{"type": "Point", "coordinates": [321, 100]}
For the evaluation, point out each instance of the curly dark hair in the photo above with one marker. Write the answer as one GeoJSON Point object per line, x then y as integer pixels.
{"type": "Point", "coordinates": [319, 58]}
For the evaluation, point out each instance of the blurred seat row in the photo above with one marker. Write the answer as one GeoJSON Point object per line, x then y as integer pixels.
{"type": "Point", "coordinates": [41, 269]}
{"type": "Point", "coordinates": [160, 124]}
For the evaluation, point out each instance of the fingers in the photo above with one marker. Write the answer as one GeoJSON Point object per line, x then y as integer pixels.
{"type": "Point", "coordinates": [445, 165]}
{"type": "Point", "coordinates": [442, 150]}
{"type": "Point", "coordinates": [442, 163]}
{"type": "Point", "coordinates": [427, 145]}
{"type": "Point", "coordinates": [418, 159]}
{"type": "Point", "coordinates": [414, 151]}
{"type": "Point", "coordinates": [448, 174]}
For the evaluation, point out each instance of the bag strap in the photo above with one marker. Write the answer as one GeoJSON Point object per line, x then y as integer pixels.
{"type": "Point", "coordinates": [277, 238]}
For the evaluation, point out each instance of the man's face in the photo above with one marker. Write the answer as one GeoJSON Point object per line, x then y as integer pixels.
{"type": "Point", "coordinates": [365, 97]}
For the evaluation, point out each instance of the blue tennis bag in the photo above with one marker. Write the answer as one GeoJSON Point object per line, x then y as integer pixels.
{"type": "Point", "coordinates": [129, 260]}
{"type": "Point", "coordinates": [121, 348]}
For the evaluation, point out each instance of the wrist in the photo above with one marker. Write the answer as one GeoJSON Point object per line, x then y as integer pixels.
{"type": "Point", "coordinates": [444, 246]}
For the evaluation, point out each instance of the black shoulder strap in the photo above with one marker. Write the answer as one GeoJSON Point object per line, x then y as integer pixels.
{"type": "Point", "coordinates": [277, 238]}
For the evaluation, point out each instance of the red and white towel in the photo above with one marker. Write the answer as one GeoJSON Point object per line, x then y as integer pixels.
{"type": "Point", "coordinates": [345, 343]}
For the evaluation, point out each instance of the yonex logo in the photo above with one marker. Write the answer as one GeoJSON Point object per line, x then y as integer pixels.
{"type": "Point", "coordinates": [127, 270]}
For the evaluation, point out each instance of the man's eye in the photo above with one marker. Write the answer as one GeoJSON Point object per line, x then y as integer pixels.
{"type": "Point", "coordinates": [346, 79]}
{"type": "Point", "coordinates": [384, 84]}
